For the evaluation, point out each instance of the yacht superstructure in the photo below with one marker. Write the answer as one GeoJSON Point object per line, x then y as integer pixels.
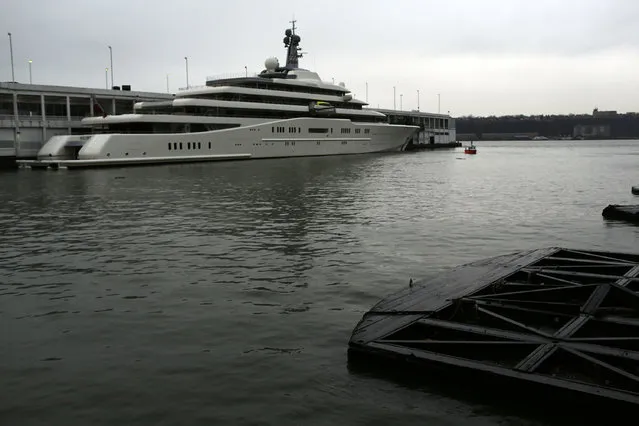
{"type": "Point", "coordinates": [281, 112]}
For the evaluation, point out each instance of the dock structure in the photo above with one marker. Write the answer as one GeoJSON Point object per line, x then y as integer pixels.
{"type": "Point", "coordinates": [435, 130]}
{"type": "Point", "coordinates": [554, 318]}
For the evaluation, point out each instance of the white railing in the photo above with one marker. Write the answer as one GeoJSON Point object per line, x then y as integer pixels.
{"type": "Point", "coordinates": [181, 89]}
{"type": "Point", "coordinates": [230, 75]}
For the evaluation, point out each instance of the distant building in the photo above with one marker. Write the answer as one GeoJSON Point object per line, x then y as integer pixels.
{"type": "Point", "coordinates": [591, 131]}
{"type": "Point", "coordinates": [603, 114]}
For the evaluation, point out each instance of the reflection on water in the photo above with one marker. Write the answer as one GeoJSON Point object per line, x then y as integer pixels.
{"type": "Point", "coordinates": [226, 292]}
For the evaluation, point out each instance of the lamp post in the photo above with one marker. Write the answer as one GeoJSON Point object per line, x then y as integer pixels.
{"type": "Point", "coordinates": [106, 78]}
{"type": "Point", "coordinates": [394, 98]}
{"type": "Point", "coordinates": [439, 99]}
{"type": "Point", "coordinates": [30, 75]}
{"type": "Point", "coordinates": [111, 56]}
{"type": "Point", "coordinates": [245, 71]}
{"type": "Point", "coordinates": [13, 75]}
{"type": "Point", "coordinates": [418, 100]}
{"type": "Point", "coordinates": [186, 59]}
{"type": "Point", "coordinates": [401, 102]}
{"type": "Point", "coordinates": [367, 92]}
{"type": "Point", "coordinates": [167, 83]}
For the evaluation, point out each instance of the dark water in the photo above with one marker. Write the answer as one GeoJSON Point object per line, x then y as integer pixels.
{"type": "Point", "coordinates": [226, 293]}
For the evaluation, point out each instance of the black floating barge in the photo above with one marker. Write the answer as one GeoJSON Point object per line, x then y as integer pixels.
{"type": "Point", "coordinates": [553, 318]}
{"type": "Point", "coordinates": [629, 213]}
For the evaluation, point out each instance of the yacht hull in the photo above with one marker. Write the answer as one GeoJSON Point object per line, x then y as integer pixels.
{"type": "Point", "coordinates": [283, 138]}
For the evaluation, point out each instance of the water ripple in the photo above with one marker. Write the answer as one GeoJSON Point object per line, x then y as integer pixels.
{"type": "Point", "coordinates": [206, 283]}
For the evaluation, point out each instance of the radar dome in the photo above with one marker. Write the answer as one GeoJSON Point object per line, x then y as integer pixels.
{"type": "Point", "coordinates": [341, 83]}
{"type": "Point", "coordinates": [288, 33]}
{"type": "Point", "coordinates": [296, 38]}
{"type": "Point", "coordinates": [271, 63]}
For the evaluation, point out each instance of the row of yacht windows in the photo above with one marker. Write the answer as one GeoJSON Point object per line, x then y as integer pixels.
{"type": "Point", "coordinates": [267, 85]}
{"type": "Point", "coordinates": [265, 99]}
{"type": "Point", "coordinates": [141, 127]}
{"type": "Point", "coordinates": [189, 146]}
{"type": "Point", "coordinates": [177, 146]}
{"type": "Point", "coordinates": [250, 113]}
{"type": "Point", "coordinates": [282, 129]}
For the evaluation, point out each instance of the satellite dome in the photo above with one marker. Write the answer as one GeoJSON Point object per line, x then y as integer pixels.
{"type": "Point", "coordinates": [288, 33]}
{"type": "Point", "coordinates": [271, 63]}
{"type": "Point", "coordinates": [296, 38]}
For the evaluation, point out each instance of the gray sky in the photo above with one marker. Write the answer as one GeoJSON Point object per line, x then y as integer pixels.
{"type": "Point", "coordinates": [485, 57]}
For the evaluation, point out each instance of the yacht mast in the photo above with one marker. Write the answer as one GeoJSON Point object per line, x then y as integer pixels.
{"type": "Point", "coordinates": [292, 41]}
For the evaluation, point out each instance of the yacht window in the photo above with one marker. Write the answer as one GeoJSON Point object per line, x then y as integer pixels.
{"type": "Point", "coordinates": [169, 146]}
{"type": "Point", "coordinates": [209, 145]}
{"type": "Point", "coordinates": [199, 145]}
{"type": "Point", "coordinates": [188, 145]}
{"type": "Point", "coordinates": [174, 146]}
{"type": "Point", "coordinates": [180, 145]}
{"type": "Point", "coordinates": [317, 130]}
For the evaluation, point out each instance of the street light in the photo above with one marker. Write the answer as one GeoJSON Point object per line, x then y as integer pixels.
{"type": "Point", "coordinates": [401, 102]}
{"type": "Point", "coordinates": [417, 99]}
{"type": "Point", "coordinates": [111, 55]}
{"type": "Point", "coordinates": [13, 75]}
{"type": "Point", "coordinates": [186, 59]}
{"type": "Point", "coordinates": [394, 99]}
{"type": "Point", "coordinates": [367, 92]}
{"type": "Point", "coordinates": [106, 78]}
{"type": "Point", "coordinates": [167, 83]}
{"type": "Point", "coordinates": [439, 99]}
{"type": "Point", "coordinates": [245, 71]}
{"type": "Point", "coordinates": [30, 79]}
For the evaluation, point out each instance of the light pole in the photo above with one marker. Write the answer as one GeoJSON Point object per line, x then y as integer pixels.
{"type": "Point", "coordinates": [401, 102]}
{"type": "Point", "coordinates": [245, 71]}
{"type": "Point", "coordinates": [30, 79]}
{"type": "Point", "coordinates": [367, 92]}
{"type": "Point", "coordinates": [394, 98]}
{"type": "Point", "coordinates": [186, 59]}
{"type": "Point", "coordinates": [417, 99]}
{"type": "Point", "coordinates": [439, 101]}
{"type": "Point", "coordinates": [167, 83]}
{"type": "Point", "coordinates": [13, 75]}
{"type": "Point", "coordinates": [111, 56]}
{"type": "Point", "coordinates": [106, 78]}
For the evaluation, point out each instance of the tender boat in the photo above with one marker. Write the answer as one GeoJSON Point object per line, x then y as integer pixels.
{"type": "Point", "coordinates": [470, 149]}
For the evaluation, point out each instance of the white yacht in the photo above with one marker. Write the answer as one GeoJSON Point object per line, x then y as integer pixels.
{"type": "Point", "coordinates": [281, 112]}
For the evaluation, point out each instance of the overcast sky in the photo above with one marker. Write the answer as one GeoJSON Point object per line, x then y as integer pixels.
{"type": "Point", "coordinates": [485, 57]}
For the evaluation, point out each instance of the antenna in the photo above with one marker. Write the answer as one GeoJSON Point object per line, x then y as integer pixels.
{"type": "Point", "coordinates": [292, 41]}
